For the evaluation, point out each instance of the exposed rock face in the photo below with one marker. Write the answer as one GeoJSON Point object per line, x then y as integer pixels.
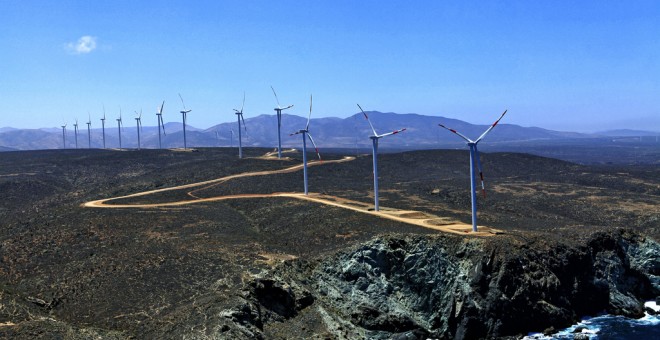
{"type": "Point", "coordinates": [451, 287]}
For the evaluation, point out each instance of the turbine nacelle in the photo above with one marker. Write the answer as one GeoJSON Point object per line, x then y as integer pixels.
{"type": "Point", "coordinates": [282, 108]}
{"type": "Point", "coordinates": [299, 132]}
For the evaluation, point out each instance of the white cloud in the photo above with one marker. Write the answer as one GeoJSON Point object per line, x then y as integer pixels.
{"type": "Point", "coordinates": [84, 45]}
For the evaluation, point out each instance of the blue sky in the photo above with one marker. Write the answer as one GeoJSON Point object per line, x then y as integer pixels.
{"type": "Point", "coordinates": [565, 65]}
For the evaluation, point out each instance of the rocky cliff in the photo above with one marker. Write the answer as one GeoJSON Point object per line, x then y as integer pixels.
{"type": "Point", "coordinates": [451, 287]}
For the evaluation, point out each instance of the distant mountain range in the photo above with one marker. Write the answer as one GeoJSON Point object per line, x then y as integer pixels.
{"type": "Point", "coordinates": [422, 132]}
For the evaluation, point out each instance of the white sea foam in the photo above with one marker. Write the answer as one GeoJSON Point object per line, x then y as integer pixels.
{"type": "Point", "coordinates": [652, 305]}
{"type": "Point", "coordinates": [592, 326]}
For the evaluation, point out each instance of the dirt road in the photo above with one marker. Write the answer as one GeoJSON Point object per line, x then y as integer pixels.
{"type": "Point", "coordinates": [417, 218]}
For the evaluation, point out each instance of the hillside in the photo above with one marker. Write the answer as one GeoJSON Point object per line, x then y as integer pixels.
{"type": "Point", "coordinates": [273, 267]}
{"type": "Point", "coordinates": [617, 147]}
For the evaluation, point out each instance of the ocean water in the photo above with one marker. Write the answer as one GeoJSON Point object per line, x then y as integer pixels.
{"type": "Point", "coordinates": [606, 327]}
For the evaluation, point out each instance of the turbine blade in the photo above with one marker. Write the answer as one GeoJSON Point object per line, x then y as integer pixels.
{"type": "Point", "coordinates": [481, 173]}
{"type": "Point", "coordinates": [160, 110]}
{"type": "Point", "coordinates": [368, 121]}
{"type": "Point", "coordinates": [491, 127]}
{"type": "Point", "coordinates": [103, 111]}
{"type": "Point", "coordinates": [294, 133]}
{"type": "Point", "coordinates": [392, 133]}
{"type": "Point", "coordinates": [184, 104]}
{"type": "Point", "coordinates": [243, 105]}
{"type": "Point", "coordinates": [276, 99]}
{"type": "Point", "coordinates": [310, 112]}
{"type": "Point", "coordinates": [243, 120]}
{"type": "Point", "coordinates": [162, 123]}
{"type": "Point", "coordinates": [315, 147]}
{"type": "Point", "coordinates": [456, 132]}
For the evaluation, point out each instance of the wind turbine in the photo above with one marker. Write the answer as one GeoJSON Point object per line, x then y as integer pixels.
{"type": "Point", "coordinates": [231, 138]}
{"type": "Point", "coordinates": [103, 126]}
{"type": "Point", "coordinates": [474, 158]}
{"type": "Point", "coordinates": [279, 110]}
{"type": "Point", "coordinates": [374, 139]}
{"type": "Point", "coordinates": [89, 134]}
{"type": "Point", "coordinates": [184, 114]}
{"type": "Point", "coordinates": [239, 117]}
{"type": "Point", "coordinates": [75, 131]}
{"type": "Point", "coordinates": [305, 133]}
{"type": "Point", "coordinates": [159, 116]}
{"type": "Point", "coordinates": [64, 136]}
{"type": "Point", "coordinates": [138, 121]}
{"type": "Point", "coordinates": [119, 124]}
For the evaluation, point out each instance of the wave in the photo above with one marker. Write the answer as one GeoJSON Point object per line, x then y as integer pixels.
{"type": "Point", "coordinates": [606, 326]}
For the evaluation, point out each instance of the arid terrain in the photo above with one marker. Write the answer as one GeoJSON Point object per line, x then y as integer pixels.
{"type": "Point", "coordinates": [272, 266]}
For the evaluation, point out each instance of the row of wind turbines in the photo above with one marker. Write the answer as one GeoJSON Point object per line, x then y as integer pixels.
{"type": "Point", "coordinates": [120, 125]}
{"type": "Point", "coordinates": [184, 116]}
{"type": "Point", "coordinates": [472, 144]}
{"type": "Point", "coordinates": [475, 163]}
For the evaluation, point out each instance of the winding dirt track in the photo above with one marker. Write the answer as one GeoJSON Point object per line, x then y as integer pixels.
{"type": "Point", "coordinates": [417, 218]}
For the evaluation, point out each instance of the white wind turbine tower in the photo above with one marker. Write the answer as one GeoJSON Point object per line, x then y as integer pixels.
{"type": "Point", "coordinates": [75, 131]}
{"type": "Point", "coordinates": [103, 126]}
{"type": "Point", "coordinates": [89, 133]}
{"type": "Point", "coordinates": [231, 138]}
{"type": "Point", "coordinates": [279, 110]}
{"type": "Point", "coordinates": [474, 161]}
{"type": "Point", "coordinates": [305, 133]}
{"type": "Point", "coordinates": [159, 117]}
{"type": "Point", "coordinates": [374, 139]}
{"type": "Point", "coordinates": [64, 136]}
{"type": "Point", "coordinates": [239, 117]}
{"type": "Point", "coordinates": [138, 122]}
{"type": "Point", "coordinates": [184, 114]}
{"type": "Point", "coordinates": [119, 125]}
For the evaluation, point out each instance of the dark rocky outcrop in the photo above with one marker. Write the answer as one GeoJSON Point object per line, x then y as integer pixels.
{"type": "Point", "coordinates": [452, 287]}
